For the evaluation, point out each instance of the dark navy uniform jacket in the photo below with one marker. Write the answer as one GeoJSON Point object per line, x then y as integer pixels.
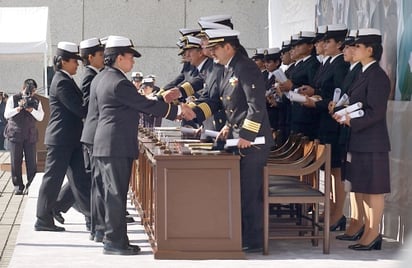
{"type": "Point", "coordinates": [242, 95]}
{"type": "Point", "coordinates": [332, 77]}
{"type": "Point", "coordinates": [88, 76]}
{"type": "Point", "coordinates": [66, 111]}
{"type": "Point", "coordinates": [370, 133]}
{"type": "Point", "coordinates": [119, 105]}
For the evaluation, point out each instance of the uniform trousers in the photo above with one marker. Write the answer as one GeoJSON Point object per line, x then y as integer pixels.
{"type": "Point", "coordinates": [16, 156]}
{"type": "Point", "coordinates": [65, 200]}
{"type": "Point", "coordinates": [60, 161]}
{"type": "Point", "coordinates": [115, 172]}
{"type": "Point", "coordinates": [252, 161]}
{"type": "Point", "coordinates": [97, 191]}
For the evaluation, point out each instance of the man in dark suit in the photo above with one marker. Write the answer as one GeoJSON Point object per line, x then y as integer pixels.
{"type": "Point", "coordinates": [64, 150]}
{"type": "Point", "coordinates": [242, 95]}
{"type": "Point", "coordinates": [115, 142]}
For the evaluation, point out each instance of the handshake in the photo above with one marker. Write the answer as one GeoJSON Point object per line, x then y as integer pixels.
{"type": "Point", "coordinates": [186, 112]}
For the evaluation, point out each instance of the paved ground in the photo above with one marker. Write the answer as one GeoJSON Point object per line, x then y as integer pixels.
{"type": "Point", "coordinates": [73, 249]}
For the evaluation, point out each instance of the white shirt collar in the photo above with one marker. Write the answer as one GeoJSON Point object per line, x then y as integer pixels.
{"type": "Point", "coordinates": [66, 73]}
{"type": "Point", "coordinates": [227, 64]}
{"type": "Point", "coordinates": [353, 65]}
{"type": "Point", "coordinates": [120, 71]}
{"type": "Point", "coordinates": [93, 68]}
{"type": "Point", "coordinates": [334, 57]}
{"type": "Point", "coordinates": [201, 65]}
{"type": "Point", "coordinates": [367, 65]}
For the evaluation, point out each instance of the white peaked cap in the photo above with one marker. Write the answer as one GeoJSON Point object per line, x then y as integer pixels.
{"type": "Point", "coordinates": [321, 29]}
{"type": "Point", "coordinates": [215, 18]}
{"type": "Point", "coordinates": [212, 25]}
{"type": "Point", "coordinates": [272, 50]}
{"type": "Point", "coordinates": [68, 50]}
{"type": "Point", "coordinates": [147, 80]}
{"type": "Point", "coordinates": [89, 43]}
{"type": "Point", "coordinates": [120, 44]}
{"type": "Point", "coordinates": [68, 46]}
{"type": "Point", "coordinates": [137, 74]}
{"type": "Point", "coordinates": [336, 27]}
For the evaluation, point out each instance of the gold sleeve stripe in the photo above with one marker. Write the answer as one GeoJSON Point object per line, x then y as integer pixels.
{"type": "Point", "coordinates": [168, 111]}
{"type": "Point", "coordinates": [251, 126]}
{"type": "Point", "coordinates": [205, 109]}
{"type": "Point", "coordinates": [188, 89]}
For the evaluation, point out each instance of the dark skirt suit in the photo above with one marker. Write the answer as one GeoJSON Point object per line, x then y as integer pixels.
{"type": "Point", "coordinates": [331, 78]}
{"type": "Point", "coordinates": [369, 145]}
{"type": "Point", "coordinates": [344, 130]}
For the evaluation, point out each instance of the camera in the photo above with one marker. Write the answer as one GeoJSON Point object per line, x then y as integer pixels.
{"type": "Point", "coordinates": [28, 100]}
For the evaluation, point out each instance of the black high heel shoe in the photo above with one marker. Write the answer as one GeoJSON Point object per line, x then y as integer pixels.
{"type": "Point", "coordinates": [354, 237]}
{"type": "Point", "coordinates": [375, 244]}
{"type": "Point", "coordinates": [341, 224]}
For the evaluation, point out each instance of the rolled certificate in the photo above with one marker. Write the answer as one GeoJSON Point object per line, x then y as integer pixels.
{"type": "Point", "coordinates": [188, 130]}
{"type": "Point", "coordinates": [211, 133]}
{"type": "Point", "coordinates": [336, 95]}
{"type": "Point", "coordinates": [234, 142]}
{"type": "Point", "coordinates": [280, 76]}
{"type": "Point", "coordinates": [342, 101]}
{"type": "Point", "coordinates": [350, 108]}
{"type": "Point", "coordinates": [355, 114]}
{"type": "Point", "coordinates": [296, 97]}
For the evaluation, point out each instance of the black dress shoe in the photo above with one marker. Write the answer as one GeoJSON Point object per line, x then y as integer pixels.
{"type": "Point", "coordinates": [98, 236]}
{"type": "Point", "coordinates": [353, 237]}
{"type": "Point", "coordinates": [375, 244]}
{"type": "Point", "coordinates": [130, 250]}
{"type": "Point", "coordinates": [252, 249]}
{"type": "Point", "coordinates": [129, 219]}
{"type": "Point", "coordinates": [341, 224]}
{"type": "Point", "coordinates": [48, 228]}
{"type": "Point", "coordinates": [58, 217]}
{"type": "Point", "coordinates": [18, 192]}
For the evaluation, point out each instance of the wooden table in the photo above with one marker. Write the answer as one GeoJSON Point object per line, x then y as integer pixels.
{"type": "Point", "coordinates": [189, 204]}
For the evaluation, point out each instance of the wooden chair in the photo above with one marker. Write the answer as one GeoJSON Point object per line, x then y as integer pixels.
{"type": "Point", "coordinates": [296, 152]}
{"type": "Point", "coordinates": [285, 146]}
{"type": "Point", "coordinates": [307, 152]}
{"type": "Point", "coordinates": [292, 148]}
{"type": "Point", "coordinates": [288, 188]}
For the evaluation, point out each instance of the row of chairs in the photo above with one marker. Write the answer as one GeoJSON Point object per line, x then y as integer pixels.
{"type": "Point", "coordinates": [292, 177]}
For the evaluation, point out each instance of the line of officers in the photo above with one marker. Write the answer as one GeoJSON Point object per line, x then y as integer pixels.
{"type": "Point", "coordinates": [218, 88]}
{"type": "Point", "coordinates": [316, 64]}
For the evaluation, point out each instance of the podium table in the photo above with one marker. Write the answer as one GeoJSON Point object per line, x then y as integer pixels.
{"type": "Point", "coordinates": [189, 204]}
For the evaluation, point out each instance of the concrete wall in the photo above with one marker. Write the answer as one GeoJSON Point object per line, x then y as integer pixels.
{"type": "Point", "coordinates": [151, 24]}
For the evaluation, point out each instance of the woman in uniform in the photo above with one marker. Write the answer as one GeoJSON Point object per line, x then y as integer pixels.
{"type": "Point", "coordinates": [369, 145]}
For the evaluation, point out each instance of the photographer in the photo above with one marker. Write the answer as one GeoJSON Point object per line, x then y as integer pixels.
{"type": "Point", "coordinates": [22, 111]}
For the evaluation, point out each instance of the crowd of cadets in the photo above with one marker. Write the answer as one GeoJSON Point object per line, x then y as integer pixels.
{"type": "Point", "coordinates": [220, 88]}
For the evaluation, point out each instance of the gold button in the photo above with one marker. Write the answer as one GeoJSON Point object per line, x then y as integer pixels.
{"type": "Point", "coordinates": [228, 97]}
{"type": "Point", "coordinates": [221, 98]}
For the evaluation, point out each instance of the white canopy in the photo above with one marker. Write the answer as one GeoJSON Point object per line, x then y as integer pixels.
{"type": "Point", "coordinates": [23, 30]}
